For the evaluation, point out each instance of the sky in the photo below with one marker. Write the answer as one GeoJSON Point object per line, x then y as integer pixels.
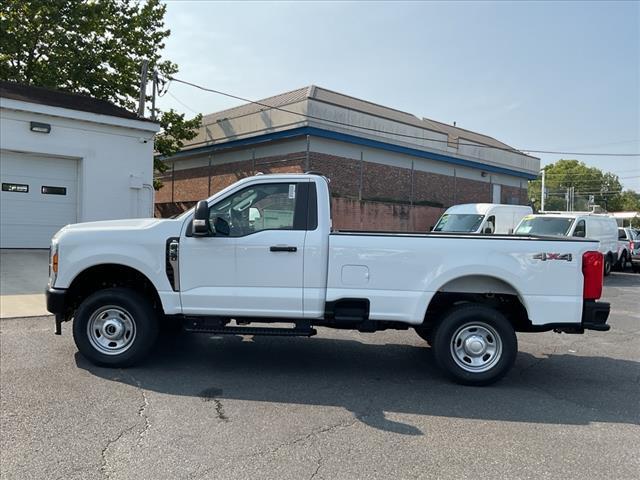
{"type": "Point", "coordinates": [535, 75]}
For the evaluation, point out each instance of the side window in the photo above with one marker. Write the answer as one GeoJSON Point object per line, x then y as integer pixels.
{"type": "Point", "coordinates": [622, 235]}
{"type": "Point", "coordinates": [580, 230]}
{"type": "Point", "coordinates": [270, 206]}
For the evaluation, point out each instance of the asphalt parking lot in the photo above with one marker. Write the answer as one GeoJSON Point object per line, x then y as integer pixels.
{"type": "Point", "coordinates": [340, 405]}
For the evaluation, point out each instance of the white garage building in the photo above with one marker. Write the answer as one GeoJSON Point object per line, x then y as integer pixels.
{"type": "Point", "coordinates": [68, 158]}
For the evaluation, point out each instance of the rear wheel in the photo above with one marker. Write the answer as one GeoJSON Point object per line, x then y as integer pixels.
{"type": "Point", "coordinates": [115, 327]}
{"type": "Point", "coordinates": [622, 263]}
{"type": "Point", "coordinates": [475, 344]}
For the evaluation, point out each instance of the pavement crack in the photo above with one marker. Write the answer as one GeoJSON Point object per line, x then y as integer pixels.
{"type": "Point", "coordinates": [319, 462]}
{"type": "Point", "coordinates": [142, 412]}
{"type": "Point", "coordinates": [314, 433]}
{"type": "Point", "coordinates": [104, 467]}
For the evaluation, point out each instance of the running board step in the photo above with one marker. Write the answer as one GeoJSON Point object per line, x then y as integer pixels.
{"type": "Point", "coordinates": [284, 332]}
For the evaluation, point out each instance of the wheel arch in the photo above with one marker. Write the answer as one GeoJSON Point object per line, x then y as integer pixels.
{"type": "Point", "coordinates": [109, 275]}
{"type": "Point", "coordinates": [484, 289]}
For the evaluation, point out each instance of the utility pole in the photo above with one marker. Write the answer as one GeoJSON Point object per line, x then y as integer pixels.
{"type": "Point", "coordinates": [143, 87]}
{"type": "Point", "coordinates": [542, 194]}
{"type": "Point", "coordinates": [154, 80]}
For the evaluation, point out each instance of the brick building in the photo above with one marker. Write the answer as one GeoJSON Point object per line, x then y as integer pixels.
{"type": "Point", "coordinates": [389, 170]}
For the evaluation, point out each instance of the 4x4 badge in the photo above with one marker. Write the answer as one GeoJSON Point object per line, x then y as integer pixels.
{"type": "Point", "coordinates": [553, 256]}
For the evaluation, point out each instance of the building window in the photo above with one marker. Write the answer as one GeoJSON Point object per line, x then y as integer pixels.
{"type": "Point", "coordinates": [15, 187]}
{"type": "Point", "coordinates": [47, 190]}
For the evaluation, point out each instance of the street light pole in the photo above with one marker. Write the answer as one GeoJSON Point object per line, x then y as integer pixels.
{"type": "Point", "coordinates": [542, 194]}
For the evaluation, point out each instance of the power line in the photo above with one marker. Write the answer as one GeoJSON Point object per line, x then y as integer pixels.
{"type": "Point", "coordinates": [586, 179]}
{"type": "Point", "coordinates": [571, 179]}
{"type": "Point", "coordinates": [181, 102]}
{"type": "Point", "coordinates": [376, 130]}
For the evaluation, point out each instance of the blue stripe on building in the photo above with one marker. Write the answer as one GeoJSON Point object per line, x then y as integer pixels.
{"type": "Point", "coordinates": [352, 139]}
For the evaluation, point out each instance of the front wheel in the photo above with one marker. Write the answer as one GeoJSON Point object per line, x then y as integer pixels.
{"type": "Point", "coordinates": [115, 327]}
{"type": "Point", "coordinates": [475, 344]}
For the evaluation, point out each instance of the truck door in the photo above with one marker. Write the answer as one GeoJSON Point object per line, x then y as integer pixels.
{"type": "Point", "coordinates": [253, 265]}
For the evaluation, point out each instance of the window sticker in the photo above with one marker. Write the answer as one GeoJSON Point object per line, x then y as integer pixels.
{"type": "Point", "coordinates": [292, 191]}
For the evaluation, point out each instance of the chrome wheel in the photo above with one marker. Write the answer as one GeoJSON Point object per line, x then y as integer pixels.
{"type": "Point", "coordinates": [476, 347]}
{"type": "Point", "coordinates": [111, 330]}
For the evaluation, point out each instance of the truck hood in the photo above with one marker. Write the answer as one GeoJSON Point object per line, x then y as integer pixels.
{"type": "Point", "coordinates": [111, 225]}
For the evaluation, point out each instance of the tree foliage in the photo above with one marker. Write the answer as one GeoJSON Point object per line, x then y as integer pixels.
{"type": "Point", "coordinates": [94, 48]}
{"type": "Point", "coordinates": [586, 181]}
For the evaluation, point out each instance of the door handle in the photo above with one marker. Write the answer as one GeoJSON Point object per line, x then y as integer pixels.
{"type": "Point", "coordinates": [282, 248]}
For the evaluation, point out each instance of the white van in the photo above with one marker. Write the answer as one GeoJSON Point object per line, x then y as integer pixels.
{"type": "Point", "coordinates": [482, 218]}
{"type": "Point", "coordinates": [590, 225]}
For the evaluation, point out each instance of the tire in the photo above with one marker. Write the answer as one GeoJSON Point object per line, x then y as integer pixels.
{"type": "Point", "coordinates": [115, 327]}
{"type": "Point", "coordinates": [426, 334]}
{"type": "Point", "coordinates": [607, 265]}
{"type": "Point", "coordinates": [622, 263]}
{"type": "Point", "coordinates": [484, 329]}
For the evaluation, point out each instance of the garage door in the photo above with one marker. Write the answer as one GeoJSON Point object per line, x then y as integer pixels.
{"type": "Point", "coordinates": [39, 196]}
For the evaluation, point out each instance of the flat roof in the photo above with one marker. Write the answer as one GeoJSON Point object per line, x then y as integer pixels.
{"type": "Point", "coordinates": [62, 99]}
{"type": "Point", "coordinates": [325, 95]}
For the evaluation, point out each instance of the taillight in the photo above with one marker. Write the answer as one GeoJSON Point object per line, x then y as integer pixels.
{"type": "Point", "coordinates": [632, 246]}
{"type": "Point", "coordinates": [592, 270]}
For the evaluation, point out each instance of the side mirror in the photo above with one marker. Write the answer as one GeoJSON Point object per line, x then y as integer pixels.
{"type": "Point", "coordinates": [201, 225]}
{"type": "Point", "coordinates": [488, 230]}
{"type": "Point", "coordinates": [579, 233]}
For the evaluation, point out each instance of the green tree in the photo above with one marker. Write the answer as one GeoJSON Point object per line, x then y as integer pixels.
{"type": "Point", "coordinates": [586, 181]}
{"type": "Point", "coordinates": [94, 48]}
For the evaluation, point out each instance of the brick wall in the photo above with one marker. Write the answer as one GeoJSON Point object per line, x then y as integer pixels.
{"type": "Point", "coordinates": [193, 184]}
{"type": "Point", "coordinates": [514, 195]}
{"type": "Point", "coordinates": [351, 214]}
{"type": "Point", "coordinates": [385, 190]}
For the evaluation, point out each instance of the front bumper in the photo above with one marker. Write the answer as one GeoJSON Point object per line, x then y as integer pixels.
{"type": "Point", "coordinates": [595, 315]}
{"type": "Point", "coordinates": [56, 304]}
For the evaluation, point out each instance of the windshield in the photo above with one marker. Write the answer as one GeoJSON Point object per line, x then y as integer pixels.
{"type": "Point", "coordinates": [459, 223]}
{"type": "Point", "coordinates": [555, 226]}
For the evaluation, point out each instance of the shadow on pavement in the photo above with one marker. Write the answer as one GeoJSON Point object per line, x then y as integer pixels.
{"type": "Point", "coordinates": [371, 379]}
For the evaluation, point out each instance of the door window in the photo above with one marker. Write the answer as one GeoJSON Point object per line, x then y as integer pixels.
{"type": "Point", "coordinates": [270, 206]}
{"type": "Point", "coordinates": [580, 230]}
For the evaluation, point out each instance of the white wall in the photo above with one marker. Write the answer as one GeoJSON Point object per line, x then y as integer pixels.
{"type": "Point", "coordinates": [115, 156]}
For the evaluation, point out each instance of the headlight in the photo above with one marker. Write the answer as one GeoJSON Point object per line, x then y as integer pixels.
{"type": "Point", "coordinates": [53, 262]}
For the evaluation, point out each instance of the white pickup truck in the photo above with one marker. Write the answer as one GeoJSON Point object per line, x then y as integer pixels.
{"type": "Point", "coordinates": [263, 251]}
